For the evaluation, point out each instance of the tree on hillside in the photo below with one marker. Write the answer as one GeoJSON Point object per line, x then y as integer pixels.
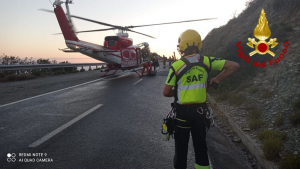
{"type": "Point", "coordinates": [54, 62]}
{"type": "Point", "coordinates": [27, 61]}
{"type": "Point", "coordinates": [14, 60]}
{"type": "Point", "coordinates": [43, 61]}
{"type": "Point", "coordinates": [64, 62]}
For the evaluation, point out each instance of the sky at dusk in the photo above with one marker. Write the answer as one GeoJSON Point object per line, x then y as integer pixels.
{"type": "Point", "coordinates": [27, 32]}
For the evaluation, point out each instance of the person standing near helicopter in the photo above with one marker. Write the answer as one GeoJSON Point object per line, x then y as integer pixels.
{"type": "Point", "coordinates": [147, 65]}
{"type": "Point", "coordinates": [164, 61]}
{"type": "Point", "coordinates": [187, 82]}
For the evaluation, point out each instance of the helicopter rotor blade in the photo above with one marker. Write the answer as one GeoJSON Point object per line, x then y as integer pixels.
{"type": "Point", "coordinates": [140, 33]}
{"type": "Point", "coordinates": [46, 10]}
{"type": "Point", "coordinates": [101, 23]}
{"type": "Point", "coordinates": [170, 22]}
{"type": "Point", "coordinates": [96, 30]}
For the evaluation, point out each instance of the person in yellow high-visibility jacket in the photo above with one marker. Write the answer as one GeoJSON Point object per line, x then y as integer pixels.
{"type": "Point", "coordinates": [187, 82]}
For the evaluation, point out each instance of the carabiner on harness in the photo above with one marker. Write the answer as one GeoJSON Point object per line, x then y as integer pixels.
{"type": "Point", "coordinates": [200, 110]}
{"type": "Point", "coordinates": [208, 115]}
{"type": "Point", "coordinates": [168, 127]}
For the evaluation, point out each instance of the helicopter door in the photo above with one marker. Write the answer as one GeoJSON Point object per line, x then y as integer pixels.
{"type": "Point", "coordinates": [129, 57]}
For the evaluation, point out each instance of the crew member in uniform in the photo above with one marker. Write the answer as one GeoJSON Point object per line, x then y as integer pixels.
{"type": "Point", "coordinates": [164, 61]}
{"type": "Point", "coordinates": [148, 66]}
{"type": "Point", "coordinates": [187, 81]}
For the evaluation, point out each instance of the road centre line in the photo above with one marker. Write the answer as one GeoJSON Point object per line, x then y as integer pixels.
{"type": "Point", "coordinates": [137, 82]}
{"type": "Point", "coordinates": [48, 114]}
{"type": "Point", "coordinates": [51, 92]}
{"type": "Point", "coordinates": [63, 127]}
{"type": "Point", "coordinates": [119, 76]}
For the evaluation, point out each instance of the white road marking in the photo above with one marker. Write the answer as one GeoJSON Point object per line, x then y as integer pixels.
{"type": "Point", "coordinates": [57, 91]}
{"type": "Point", "coordinates": [119, 76]}
{"type": "Point", "coordinates": [137, 82]}
{"type": "Point", "coordinates": [51, 92]}
{"type": "Point", "coordinates": [49, 114]}
{"type": "Point", "coordinates": [63, 127]}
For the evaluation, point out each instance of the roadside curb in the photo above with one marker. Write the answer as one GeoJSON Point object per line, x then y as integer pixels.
{"type": "Point", "coordinates": [251, 145]}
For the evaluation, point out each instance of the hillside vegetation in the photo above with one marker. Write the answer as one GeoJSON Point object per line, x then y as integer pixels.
{"type": "Point", "coordinates": [273, 91]}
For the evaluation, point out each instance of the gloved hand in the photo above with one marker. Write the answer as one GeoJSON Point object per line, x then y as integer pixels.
{"type": "Point", "coordinates": [212, 84]}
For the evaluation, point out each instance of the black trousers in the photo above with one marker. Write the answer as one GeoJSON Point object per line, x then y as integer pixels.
{"type": "Point", "coordinates": [196, 125]}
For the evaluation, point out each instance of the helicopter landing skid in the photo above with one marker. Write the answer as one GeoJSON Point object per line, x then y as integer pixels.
{"type": "Point", "coordinates": [151, 73]}
{"type": "Point", "coordinates": [136, 71]}
{"type": "Point", "coordinates": [105, 74]}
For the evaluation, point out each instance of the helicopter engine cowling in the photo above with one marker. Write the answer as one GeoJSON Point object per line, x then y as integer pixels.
{"type": "Point", "coordinates": [117, 42]}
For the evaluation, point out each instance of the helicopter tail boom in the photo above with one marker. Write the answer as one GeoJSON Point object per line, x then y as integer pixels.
{"type": "Point", "coordinates": [64, 24]}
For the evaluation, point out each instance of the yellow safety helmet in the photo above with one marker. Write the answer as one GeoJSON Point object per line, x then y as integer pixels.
{"type": "Point", "coordinates": [189, 38]}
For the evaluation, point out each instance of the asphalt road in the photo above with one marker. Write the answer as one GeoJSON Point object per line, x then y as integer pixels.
{"type": "Point", "coordinates": [110, 123]}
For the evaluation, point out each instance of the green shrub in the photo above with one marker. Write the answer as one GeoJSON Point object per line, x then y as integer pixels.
{"type": "Point", "coordinates": [242, 87]}
{"type": "Point", "coordinates": [295, 118]}
{"type": "Point", "coordinates": [10, 78]}
{"type": "Point", "coordinates": [57, 72]}
{"type": "Point", "coordinates": [292, 161]}
{"type": "Point", "coordinates": [82, 70]}
{"type": "Point", "coordinates": [22, 77]}
{"type": "Point", "coordinates": [2, 75]}
{"type": "Point", "coordinates": [267, 93]}
{"type": "Point", "coordinates": [255, 114]}
{"type": "Point", "coordinates": [223, 96]}
{"type": "Point", "coordinates": [271, 148]}
{"type": "Point", "coordinates": [238, 99]}
{"type": "Point", "coordinates": [279, 120]}
{"type": "Point", "coordinates": [36, 73]}
{"type": "Point", "coordinates": [297, 104]}
{"type": "Point", "coordinates": [29, 76]}
{"type": "Point", "coordinates": [268, 134]}
{"type": "Point", "coordinates": [253, 90]}
{"type": "Point", "coordinates": [255, 124]}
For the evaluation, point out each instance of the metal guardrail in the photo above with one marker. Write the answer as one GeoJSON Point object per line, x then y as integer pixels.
{"type": "Point", "coordinates": [45, 66]}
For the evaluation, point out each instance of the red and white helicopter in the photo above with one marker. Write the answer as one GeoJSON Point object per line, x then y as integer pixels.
{"type": "Point", "coordinates": [118, 51]}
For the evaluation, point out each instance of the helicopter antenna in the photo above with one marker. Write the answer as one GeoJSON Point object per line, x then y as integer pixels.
{"type": "Point", "coordinates": [50, 2]}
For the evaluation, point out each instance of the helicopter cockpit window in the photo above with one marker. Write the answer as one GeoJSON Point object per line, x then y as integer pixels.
{"type": "Point", "coordinates": [111, 43]}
